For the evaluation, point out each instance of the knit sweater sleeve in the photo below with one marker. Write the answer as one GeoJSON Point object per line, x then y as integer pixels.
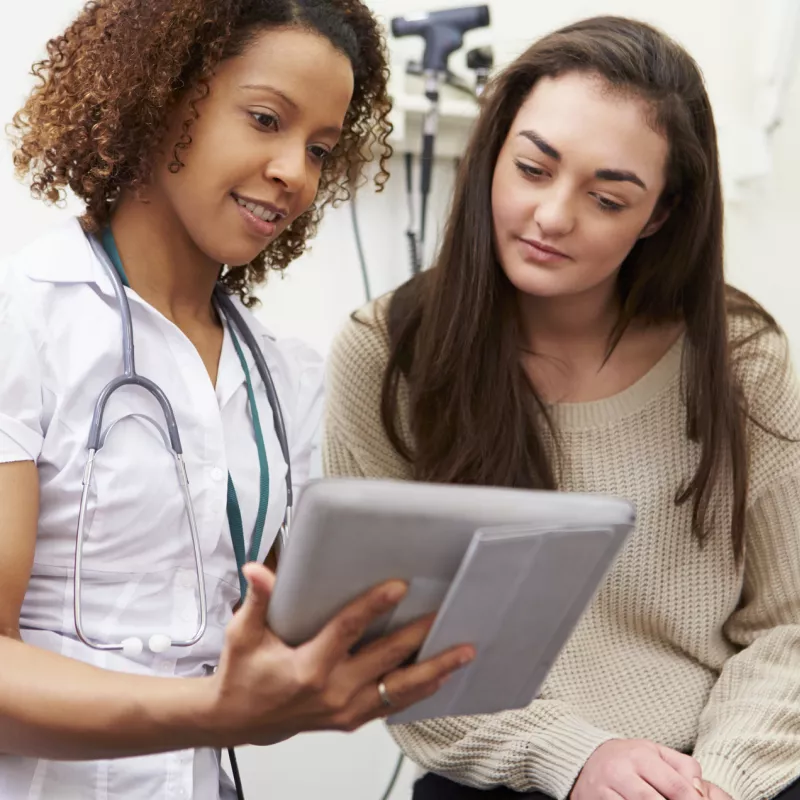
{"type": "Point", "coordinates": [540, 748]}
{"type": "Point", "coordinates": [354, 442]}
{"type": "Point", "coordinates": [747, 742]}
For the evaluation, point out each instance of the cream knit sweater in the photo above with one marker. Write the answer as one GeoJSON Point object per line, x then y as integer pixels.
{"type": "Point", "coordinates": [680, 646]}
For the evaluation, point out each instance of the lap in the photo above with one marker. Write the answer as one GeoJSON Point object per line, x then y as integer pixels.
{"type": "Point", "coordinates": [435, 787]}
{"type": "Point", "coordinates": [792, 793]}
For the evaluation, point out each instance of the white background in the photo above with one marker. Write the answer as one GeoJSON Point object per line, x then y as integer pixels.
{"type": "Point", "coordinates": [746, 51]}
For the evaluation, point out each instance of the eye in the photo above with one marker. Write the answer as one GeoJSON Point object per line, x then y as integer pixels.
{"type": "Point", "coordinates": [604, 204]}
{"type": "Point", "coordinates": [266, 120]}
{"type": "Point", "coordinates": [319, 153]}
{"type": "Point", "coordinates": [529, 170]}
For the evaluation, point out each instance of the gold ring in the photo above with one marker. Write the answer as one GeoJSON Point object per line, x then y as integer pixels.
{"type": "Point", "coordinates": [384, 694]}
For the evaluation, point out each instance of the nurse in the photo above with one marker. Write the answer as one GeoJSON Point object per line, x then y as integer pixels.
{"type": "Point", "coordinates": [204, 138]}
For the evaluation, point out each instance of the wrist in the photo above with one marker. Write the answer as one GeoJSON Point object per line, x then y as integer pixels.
{"type": "Point", "coordinates": [192, 713]}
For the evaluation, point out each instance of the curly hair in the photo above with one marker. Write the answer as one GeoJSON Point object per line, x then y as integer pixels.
{"type": "Point", "coordinates": [110, 82]}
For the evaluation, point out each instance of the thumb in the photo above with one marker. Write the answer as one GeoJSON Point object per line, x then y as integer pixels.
{"type": "Point", "coordinates": [260, 583]}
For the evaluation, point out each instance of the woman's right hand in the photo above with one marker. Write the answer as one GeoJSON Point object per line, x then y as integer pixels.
{"type": "Point", "coordinates": [265, 691]}
{"type": "Point", "coordinates": [634, 769]}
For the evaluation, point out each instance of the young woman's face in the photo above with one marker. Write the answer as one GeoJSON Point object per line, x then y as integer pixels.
{"type": "Point", "coordinates": [576, 184]}
{"type": "Point", "coordinates": [271, 118]}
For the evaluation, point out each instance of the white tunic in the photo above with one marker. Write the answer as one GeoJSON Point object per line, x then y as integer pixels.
{"type": "Point", "coordinates": [60, 344]}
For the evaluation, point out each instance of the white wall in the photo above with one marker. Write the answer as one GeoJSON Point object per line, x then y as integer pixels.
{"type": "Point", "coordinates": [325, 285]}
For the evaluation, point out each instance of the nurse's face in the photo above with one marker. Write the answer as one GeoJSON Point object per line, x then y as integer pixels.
{"type": "Point", "coordinates": [271, 118]}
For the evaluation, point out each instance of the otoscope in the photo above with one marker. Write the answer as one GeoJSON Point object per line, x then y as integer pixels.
{"type": "Point", "coordinates": [443, 32]}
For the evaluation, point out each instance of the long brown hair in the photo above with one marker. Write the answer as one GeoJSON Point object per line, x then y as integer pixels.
{"type": "Point", "coordinates": [475, 418]}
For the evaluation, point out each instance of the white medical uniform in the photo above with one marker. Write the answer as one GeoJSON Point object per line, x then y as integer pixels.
{"type": "Point", "coordinates": [60, 344]}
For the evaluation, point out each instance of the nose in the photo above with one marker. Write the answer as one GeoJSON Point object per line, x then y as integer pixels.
{"type": "Point", "coordinates": [555, 213]}
{"type": "Point", "coordinates": [288, 167]}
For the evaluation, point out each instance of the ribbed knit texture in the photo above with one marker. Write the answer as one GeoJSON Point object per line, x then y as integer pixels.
{"type": "Point", "coordinates": [680, 646]}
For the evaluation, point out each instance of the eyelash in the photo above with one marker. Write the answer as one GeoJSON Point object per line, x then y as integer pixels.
{"type": "Point", "coordinates": [273, 124]}
{"type": "Point", "coordinates": [603, 203]}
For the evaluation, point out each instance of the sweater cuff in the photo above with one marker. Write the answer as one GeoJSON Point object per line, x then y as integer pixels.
{"type": "Point", "coordinates": [560, 755]}
{"type": "Point", "coordinates": [728, 776]}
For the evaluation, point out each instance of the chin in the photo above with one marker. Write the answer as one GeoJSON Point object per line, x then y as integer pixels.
{"type": "Point", "coordinates": [240, 258]}
{"type": "Point", "coordinates": [232, 253]}
{"type": "Point", "coordinates": [541, 282]}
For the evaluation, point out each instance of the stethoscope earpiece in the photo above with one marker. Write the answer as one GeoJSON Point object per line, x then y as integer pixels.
{"type": "Point", "coordinates": [131, 648]}
{"type": "Point", "coordinates": [159, 643]}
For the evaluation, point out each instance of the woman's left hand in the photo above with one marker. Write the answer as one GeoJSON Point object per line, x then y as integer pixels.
{"type": "Point", "coordinates": [713, 792]}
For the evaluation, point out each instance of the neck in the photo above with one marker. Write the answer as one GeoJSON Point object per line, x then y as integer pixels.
{"type": "Point", "coordinates": [571, 327]}
{"type": "Point", "coordinates": [162, 264]}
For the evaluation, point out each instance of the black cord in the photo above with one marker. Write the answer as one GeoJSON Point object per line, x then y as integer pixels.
{"type": "Point", "coordinates": [425, 187]}
{"type": "Point", "coordinates": [360, 247]}
{"type": "Point", "coordinates": [388, 793]}
{"type": "Point", "coordinates": [237, 779]}
{"type": "Point", "coordinates": [413, 247]}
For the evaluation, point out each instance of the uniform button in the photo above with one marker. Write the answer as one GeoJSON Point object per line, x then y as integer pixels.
{"type": "Point", "coordinates": [217, 474]}
{"type": "Point", "coordinates": [189, 615]}
{"type": "Point", "coordinates": [187, 580]}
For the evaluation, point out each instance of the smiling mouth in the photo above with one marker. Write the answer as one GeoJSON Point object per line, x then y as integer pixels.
{"type": "Point", "coordinates": [265, 213]}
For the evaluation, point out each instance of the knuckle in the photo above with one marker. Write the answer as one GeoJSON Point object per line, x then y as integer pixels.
{"type": "Point", "coordinates": [235, 637]}
{"type": "Point", "coordinates": [398, 651]}
{"type": "Point", "coordinates": [313, 680]}
{"type": "Point", "coordinates": [616, 771]}
{"type": "Point", "coordinates": [350, 626]}
{"type": "Point", "coordinates": [347, 719]}
{"type": "Point", "coordinates": [336, 702]}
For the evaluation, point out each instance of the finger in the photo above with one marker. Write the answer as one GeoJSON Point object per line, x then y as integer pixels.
{"type": "Point", "coordinates": [634, 787]}
{"type": "Point", "coordinates": [369, 705]}
{"type": "Point", "coordinates": [713, 792]}
{"type": "Point", "coordinates": [260, 582]}
{"type": "Point", "coordinates": [409, 685]}
{"type": "Point", "coordinates": [668, 782]}
{"type": "Point", "coordinates": [681, 763]}
{"type": "Point", "coordinates": [596, 794]}
{"type": "Point", "coordinates": [338, 637]}
{"type": "Point", "coordinates": [389, 652]}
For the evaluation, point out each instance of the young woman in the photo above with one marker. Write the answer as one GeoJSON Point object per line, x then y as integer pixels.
{"type": "Point", "coordinates": [204, 137]}
{"type": "Point", "coordinates": [576, 333]}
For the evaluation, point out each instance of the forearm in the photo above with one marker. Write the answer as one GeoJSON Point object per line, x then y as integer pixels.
{"type": "Point", "coordinates": [749, 733]}
{"type": "Point", "coordinates": [542, 748]}
{"type": "Point", "coordinates": [56, 707]}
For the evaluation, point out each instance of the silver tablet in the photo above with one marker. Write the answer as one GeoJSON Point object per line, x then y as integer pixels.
{"type": "Point", "coordinates": [350, 534]}
{"type": "Point", "coordinates": [509, 571]}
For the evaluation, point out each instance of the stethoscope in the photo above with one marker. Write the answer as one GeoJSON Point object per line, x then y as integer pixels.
{"type": "Point", "coordinates": [159, 642]}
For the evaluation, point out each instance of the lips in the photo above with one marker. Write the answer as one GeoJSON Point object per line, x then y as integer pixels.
{"type": "Point", "coordinates": [265, 211]}
{"type": "Point", "coordinates": [545, 248]}
{"type": "Point", "coordinates": [540, 254]}
{"type": "Point", "coordinates": [263, 229]}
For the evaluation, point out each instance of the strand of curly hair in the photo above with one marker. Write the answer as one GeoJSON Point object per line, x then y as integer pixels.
{"type": "Point", "coordinates": [106, 89]}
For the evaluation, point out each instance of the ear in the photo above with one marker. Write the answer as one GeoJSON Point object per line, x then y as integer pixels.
{"type": "Point", "coordinates": [657, 220]}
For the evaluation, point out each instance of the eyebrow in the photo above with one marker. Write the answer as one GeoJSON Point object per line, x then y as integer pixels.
{"type": "Point", "coordinates": [601, 174]}
{"type": "Point", "coordinates": [334, 130]}
{"type": "Point", "coordinates": [546, 148]}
